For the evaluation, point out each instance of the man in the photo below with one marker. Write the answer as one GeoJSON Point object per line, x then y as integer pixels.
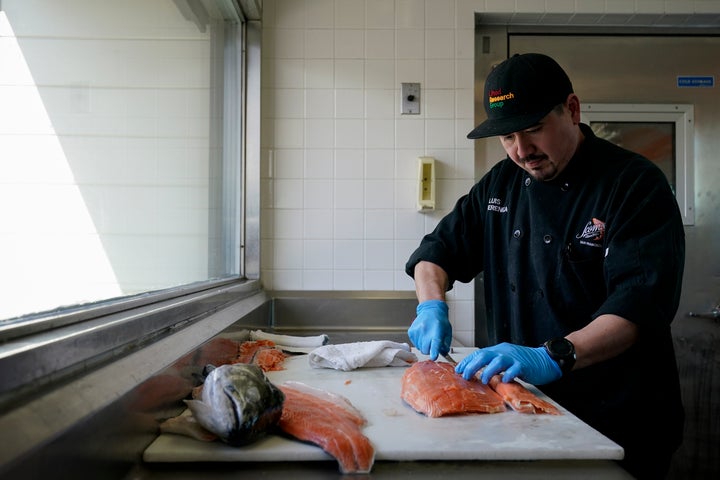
{"type": "Point", "coordinates": [582, 248]}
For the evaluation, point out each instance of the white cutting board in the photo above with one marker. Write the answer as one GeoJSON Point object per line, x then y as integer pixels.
{"type": "Point", "coordinates": [400, 433]}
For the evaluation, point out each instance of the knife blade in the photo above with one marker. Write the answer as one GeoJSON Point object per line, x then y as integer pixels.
{"type": "Point", "coordinates": [449, 358]}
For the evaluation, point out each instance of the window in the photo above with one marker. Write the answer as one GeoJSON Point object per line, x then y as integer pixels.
{"type": "Point", "coordinates": [129, 176]}
{"type": "Point", "coordinates": [662, 133]}
{"type": "Point", "coordinates": [120, 150]}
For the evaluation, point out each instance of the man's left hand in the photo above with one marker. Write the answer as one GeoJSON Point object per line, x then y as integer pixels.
{"type": "Point", "coordinates": [532, 365]}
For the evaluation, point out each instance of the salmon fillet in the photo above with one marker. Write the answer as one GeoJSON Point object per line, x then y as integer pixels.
{"type": "Point", "coordinates": [270, 359]}
{"type": "Point", "coordinates": [520, 398]}
{"type": "Point", "coordinates": [435, 389]}
{"type": "Point", "coordinates": [249, 349]}
{"type": "Point", "coordinates": [330, 422]}
{"type": "Point", "coordinates": [261, 353]}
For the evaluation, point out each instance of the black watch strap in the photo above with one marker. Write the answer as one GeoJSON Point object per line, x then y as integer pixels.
{"type": "Point", "coordinates": [562, 351]}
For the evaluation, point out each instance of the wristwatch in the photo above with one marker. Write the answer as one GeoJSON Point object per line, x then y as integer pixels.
{"type": "Point", "coordinates": [562, 351]}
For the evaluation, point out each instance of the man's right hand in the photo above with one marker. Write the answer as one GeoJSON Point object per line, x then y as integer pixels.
{"type": "Point", "coordinates": [431, 331]}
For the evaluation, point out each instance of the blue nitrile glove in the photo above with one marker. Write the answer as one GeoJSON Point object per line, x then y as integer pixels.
{"type": "Point", "coordinates": [532, 365]}
{"type": "Point", "coordinates": [431, 331]}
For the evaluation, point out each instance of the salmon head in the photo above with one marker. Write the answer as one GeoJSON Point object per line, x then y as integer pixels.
{"type": "Point", "coordinates": [239, 404]}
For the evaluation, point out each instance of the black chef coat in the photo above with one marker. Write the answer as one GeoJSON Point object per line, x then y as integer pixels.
{"type": "Point", "coordinates": [604, 236]}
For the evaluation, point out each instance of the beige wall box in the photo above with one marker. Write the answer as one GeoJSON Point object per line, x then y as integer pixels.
{"type": "Point", "coordinates": [426, 184]}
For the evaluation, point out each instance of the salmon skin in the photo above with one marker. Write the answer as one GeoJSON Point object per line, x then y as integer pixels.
{"type": "Point", "coordinates": [520, 398]}
{"type": "Point", "coordinates": [238, 404]}
{"type": "Point", "coordinates": [329, 421]}
{"type": "Point", "coordinates": [435, 390]}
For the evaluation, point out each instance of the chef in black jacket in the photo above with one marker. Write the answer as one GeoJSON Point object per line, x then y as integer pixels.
{"type": "Point", "coordinates": [582, 248]}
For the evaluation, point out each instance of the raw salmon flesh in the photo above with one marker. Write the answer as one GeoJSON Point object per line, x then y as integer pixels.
{"type": "Point", "coordinates": [520, 398]}
{"type": "Point", "coordinates": [434, 389]}
{"type": "Point", "coordinates": [330, 422]}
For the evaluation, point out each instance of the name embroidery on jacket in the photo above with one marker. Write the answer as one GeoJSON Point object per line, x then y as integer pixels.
{"type": "Point", "coordinates": [496, 205]}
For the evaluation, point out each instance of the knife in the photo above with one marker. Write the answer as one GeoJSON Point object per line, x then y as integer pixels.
{"type": "Point", "coordinates": [449, 358]}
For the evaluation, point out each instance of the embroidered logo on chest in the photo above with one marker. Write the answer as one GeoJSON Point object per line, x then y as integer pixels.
{"type": "Point", "coordinates": [593, 233]}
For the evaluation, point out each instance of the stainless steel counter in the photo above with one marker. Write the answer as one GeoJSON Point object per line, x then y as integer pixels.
{"type": "Point", "coordinates": [435, 470]}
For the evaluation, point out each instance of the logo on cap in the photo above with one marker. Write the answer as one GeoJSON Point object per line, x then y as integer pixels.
{"type": "Point", "coordinates": [497, 98]}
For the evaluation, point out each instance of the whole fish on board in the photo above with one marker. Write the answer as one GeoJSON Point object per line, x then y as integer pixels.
{"type": "Point", "coordinates": [238, 404]}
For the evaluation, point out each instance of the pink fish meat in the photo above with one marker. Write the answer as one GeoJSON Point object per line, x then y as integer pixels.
{"type": "Point", "coordinates": [329, 421]}
{"type": "Point", "coordinates": [433, 388]}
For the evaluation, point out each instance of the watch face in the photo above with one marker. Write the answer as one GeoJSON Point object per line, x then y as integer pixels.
{"type": "Point", "coordinates": [560, 347]}
{"type": "Point", "coordinates": [563, 352]}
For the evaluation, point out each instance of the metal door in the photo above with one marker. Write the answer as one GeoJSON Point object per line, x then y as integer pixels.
{"type": "Point", "coordinates": [645, 69]}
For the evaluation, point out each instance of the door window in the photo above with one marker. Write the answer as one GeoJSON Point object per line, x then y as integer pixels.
{"type": "Point", "coordinates": [662, 133]}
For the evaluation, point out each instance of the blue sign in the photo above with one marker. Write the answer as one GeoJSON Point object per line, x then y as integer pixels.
{"type": "Point", "coordinates": [695, 81]}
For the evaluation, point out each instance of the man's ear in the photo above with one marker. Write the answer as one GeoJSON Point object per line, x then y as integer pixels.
{"type": "Point", "coordinates": [573, 106]}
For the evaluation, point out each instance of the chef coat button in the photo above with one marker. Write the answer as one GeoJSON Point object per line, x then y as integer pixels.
{"type": "Point", "coordinates": [565, 187]}
{"type": "Point", "coordinates": [527, 181]}
{"type": "Point", "coordinates": [517, 234]}
{"type": "Point", "coordinates": [547, 239]}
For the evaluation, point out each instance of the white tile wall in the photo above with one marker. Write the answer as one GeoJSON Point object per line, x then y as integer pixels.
{"type": "Point", "coordinates": [343, 213]}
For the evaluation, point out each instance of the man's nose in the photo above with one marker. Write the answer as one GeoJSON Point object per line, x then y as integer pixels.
{"type": "Point", "coordinates": [524, 146]}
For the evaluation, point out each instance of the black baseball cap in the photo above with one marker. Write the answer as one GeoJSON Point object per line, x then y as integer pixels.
{"type": "Point", "coordinates": [519, 92]}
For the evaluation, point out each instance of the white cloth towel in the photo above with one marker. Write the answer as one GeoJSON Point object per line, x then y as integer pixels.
{"type": "Point", "coordinates": [290, 340]}
{"type": "Point", "coordinates": [349, 356]}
